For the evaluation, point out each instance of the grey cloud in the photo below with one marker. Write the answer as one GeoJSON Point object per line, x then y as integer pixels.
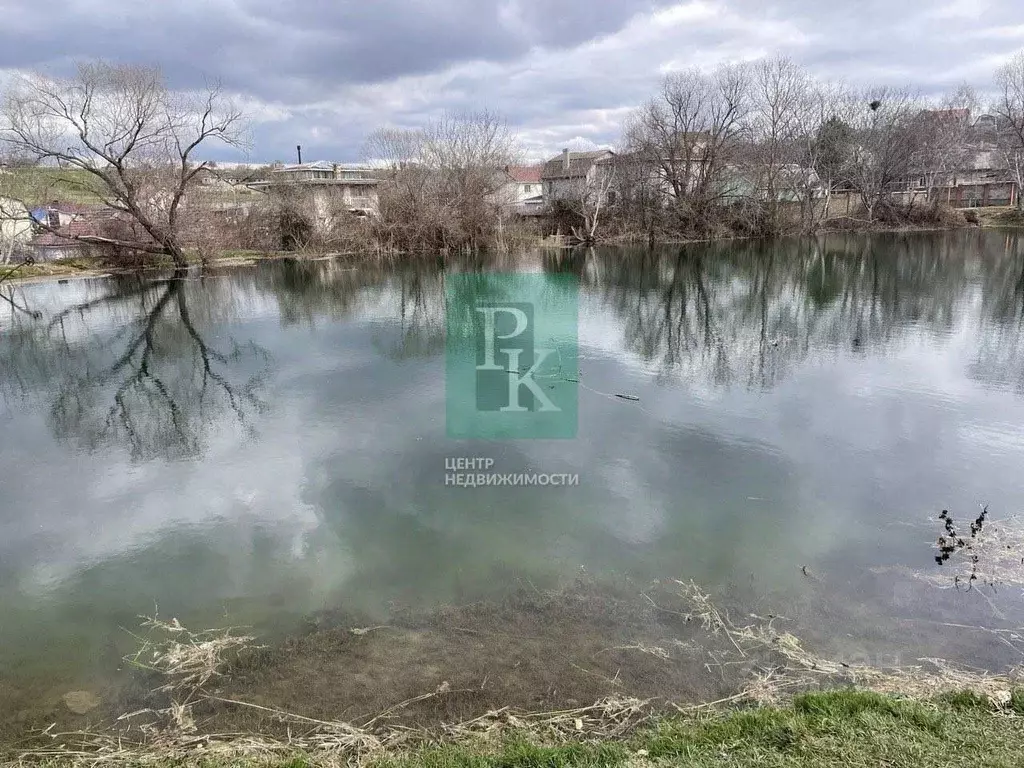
{"type": "Point", "coordinates": [284, 49]}
{"type": "Point", "coordinates": [342, 68]}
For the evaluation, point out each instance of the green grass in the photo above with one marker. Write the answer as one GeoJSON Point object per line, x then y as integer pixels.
{"type": "Point", "coordinates": [838, 729]}
{"type": "Point", "coordinates": [1000, 217]}
{"type": "Point", "coordinates": [851, 729]}
{"type": "Point", "coordinates": [35, 186]}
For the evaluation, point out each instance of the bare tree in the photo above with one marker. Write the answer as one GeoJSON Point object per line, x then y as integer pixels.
{"type": "Point", "coordinates": [641, 194]}
{"type": "Point", "coordinates": [685, 133]}
{"type": "Point", "coordinates": [469, 152]}
{"type": "Point", "coordinates": [780, 97]}
{"type": "Point", "coordinates": [1009, 108]}
{"type": "Point", "coordinates": [884, 145]}
{"type": "Point", "coordinates": [16, 223]}
{"type": "Point", "coordinates": [822, 141]}
{"type": "Point", "coordinates": [441, 184]}
{"type": "Point", "coordinates": [589, 197]}
{"type": "Point", "coordinates": [15, 227]}
{"type": "Point", "coordinates": [943, 142]}
{"type": "Point", "coordinates": [132, 140]}
{"type": "Point", "coordinates": [409, 208]}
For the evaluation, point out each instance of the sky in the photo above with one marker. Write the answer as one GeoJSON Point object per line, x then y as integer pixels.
{"type": "Point", "coordinates": [325, 73]}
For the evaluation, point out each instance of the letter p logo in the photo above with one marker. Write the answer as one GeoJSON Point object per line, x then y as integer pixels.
{"type": "Point", "coordinates": [511, 356]}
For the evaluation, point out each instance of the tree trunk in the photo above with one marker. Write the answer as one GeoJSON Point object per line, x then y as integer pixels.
{"type": "Point", "coordinates": [177, 255]}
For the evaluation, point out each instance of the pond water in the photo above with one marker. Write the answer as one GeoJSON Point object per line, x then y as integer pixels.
{"type": "Point", "coordinates": [256, 445]}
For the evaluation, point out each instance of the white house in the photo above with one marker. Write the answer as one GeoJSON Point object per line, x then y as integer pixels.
{"type": "Point", "coordinates": [325, 189]}
{"type": "Point", "coordinates": [522, 191]}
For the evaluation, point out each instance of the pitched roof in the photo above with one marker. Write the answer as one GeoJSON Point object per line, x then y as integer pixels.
{"type": "Point", "coordinates": [80, 226]}
{"type": "Point", "coordinates": [74, 209]}
{"type": "Point", "coordinates": [579, 164]}
{"type": "Point", "coordinates": [319, 165]}
{"type": "Point", "coordinates": [525, 174]}
{"type": "Point", "coordinates": [948, 115]}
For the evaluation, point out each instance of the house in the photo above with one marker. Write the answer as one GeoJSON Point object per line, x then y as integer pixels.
{"type": "Point", "coordinates": [985, 127]}
{"type": "Point", "coordinates": [951, 118]}
{"type": "Point", "coordinates": [567, 174]}
{"type": "Point", "coordinates": [983, 179]}
{"type": "Point", "coordinates": [523, 189]}
{"type": "Point", "coordinates": [60, 214]}
{"type": "Point", "coordinates": [209, 180]}
{"type": "Point", "coordinates": [324, 189]}
{"type": "Point", "coordinates": [57, 224]}
{"type": "Point", "coordinates": [793, 183]}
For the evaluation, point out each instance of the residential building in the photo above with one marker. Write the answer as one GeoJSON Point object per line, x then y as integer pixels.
{"type": "Point", "coordinates": [983, 179]}
{"type": "Point", "coordinates": [324, 190]}
{"type": "Point", "coordinates": [58, 224]}
{"type": "Point", "coordinates": [568, 174]}
{"type": "Point", "coordinates": [523, 189]}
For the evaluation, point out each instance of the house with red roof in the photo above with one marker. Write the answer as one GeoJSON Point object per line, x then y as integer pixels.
{"type": "Point", "coordinates": [58, 226]}
{"type": "Point", "coordinates": [524, 189]}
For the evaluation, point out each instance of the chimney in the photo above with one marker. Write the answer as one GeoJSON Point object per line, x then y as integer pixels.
{"type": "Point", "coordinates": [565, 160]}
{"type": "Point", "coordinates": [298, 148]}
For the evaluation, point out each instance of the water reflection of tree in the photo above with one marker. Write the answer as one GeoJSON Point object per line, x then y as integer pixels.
{"type": "Point", "coordinates": [1000, 355]}
{"type": "Point", "coordinates": [747, 312]}
{"type": "Point", "coordinates": [409, 296]}
{"type": "Point", "coordinates": [135, 366]}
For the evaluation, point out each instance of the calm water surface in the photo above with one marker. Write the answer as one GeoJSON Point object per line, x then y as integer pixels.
{"type": "Point", "coordinates": [262, 443]}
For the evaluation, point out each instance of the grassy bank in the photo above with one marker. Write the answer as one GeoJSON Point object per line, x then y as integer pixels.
{"type": "Point", "coordinates": [851, 728]}
{"type": "Point", "coordinates": [856, 729]}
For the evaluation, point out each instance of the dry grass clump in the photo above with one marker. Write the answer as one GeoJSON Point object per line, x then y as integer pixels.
{"type": "Point", "coordinates": [189, 660]}
{"type": "Point", "coordinates": [790, 667]}
{"type": "Point", "coordinates": [337, 743]}
{"type": "Point", "coordinates": [984, 553]}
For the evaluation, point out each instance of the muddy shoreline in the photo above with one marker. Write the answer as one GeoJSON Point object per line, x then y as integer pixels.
{"type": "Point", "coordinates": [538, 651]}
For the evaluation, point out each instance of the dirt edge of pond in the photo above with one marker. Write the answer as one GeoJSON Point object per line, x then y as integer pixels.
{"type": "Point", "coordinates": [590, 660]}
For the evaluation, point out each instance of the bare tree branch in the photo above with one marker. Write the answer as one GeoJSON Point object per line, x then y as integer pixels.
{"type": "Point", "coordinates": [122, 128]}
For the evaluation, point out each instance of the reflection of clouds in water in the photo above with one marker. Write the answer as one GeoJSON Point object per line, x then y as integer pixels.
{"type": "Point", "coordinates": [344, 483]}
{"type": "Point", "coordinates": [639, 520]}
{"type": "Point", "coordinates": [223, 499]}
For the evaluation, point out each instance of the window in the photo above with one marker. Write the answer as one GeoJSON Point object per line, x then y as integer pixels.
{"type": "Point", "coordinates": [527, 189]}
{"type": "Point", "coordinates": [52, 219]}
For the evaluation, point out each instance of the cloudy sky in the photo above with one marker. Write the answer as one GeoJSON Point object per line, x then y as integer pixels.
{"type": "Point", "coordinates": [324, 73]}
